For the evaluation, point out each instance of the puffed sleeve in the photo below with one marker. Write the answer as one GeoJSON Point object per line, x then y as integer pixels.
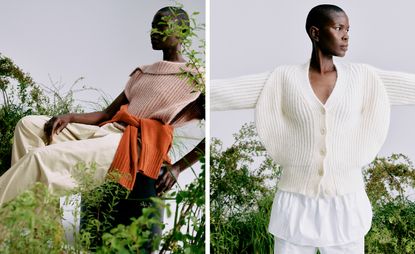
{"type": "Point", "coordinates": [236, 93]}
{"type": "Point", "coordinates": [400, 86]}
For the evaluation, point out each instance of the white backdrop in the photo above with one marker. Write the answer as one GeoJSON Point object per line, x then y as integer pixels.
{"type": "Point", "coordinates": [255, 36]}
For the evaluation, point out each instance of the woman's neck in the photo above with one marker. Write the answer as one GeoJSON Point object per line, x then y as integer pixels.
{"type": "Point", "coordinates": [320, 62]}
{"type": "Point", "coordinates": [173, 54]}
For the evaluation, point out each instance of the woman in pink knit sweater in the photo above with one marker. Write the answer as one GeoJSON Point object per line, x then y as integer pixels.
{"type": "Point", "coordinates": [47, 149]}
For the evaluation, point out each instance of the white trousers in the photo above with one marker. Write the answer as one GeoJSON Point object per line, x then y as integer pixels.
{"type": "Point", "coordinates": [52, 165]}
{"type": "Point", "coordinates": [285, 247]}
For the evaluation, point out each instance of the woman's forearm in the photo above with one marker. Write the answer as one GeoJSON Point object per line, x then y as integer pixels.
{"type": "Point", "coordinates": [93, 118]}
{"type": "Point", "coordinates": [192, 157]}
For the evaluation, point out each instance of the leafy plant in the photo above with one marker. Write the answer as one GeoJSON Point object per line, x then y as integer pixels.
{"type": "Point", "coordinates": [390, 178]}
{"type": "Point", "coordinates": [388, 182]}
{"type": "Point", "coordinates": [137, 235]}
{"type": "Point", "coordinates": [15, 86]}
{"type": "Point", "coordinates": [188, 232]}
{"type": "Point", "coordinates": [36, 215]}
{"type": "Point", "coordinates": [187, 33]}
{"type": "Point", "coordinates": [31, 222]}
{"type": "Point", "coordinates": [393, 228]}
{"type": "Point", "coordinates": [242, 188]}
{"type": "Point", "coordinates": [21, 96]}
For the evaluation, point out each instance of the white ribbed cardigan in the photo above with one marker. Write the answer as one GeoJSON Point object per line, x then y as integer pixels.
{"type": "Point", "coordinates": [321, 148]}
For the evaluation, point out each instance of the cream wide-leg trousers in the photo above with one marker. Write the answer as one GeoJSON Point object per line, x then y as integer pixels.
{"type": "Point", "coordinates": [33, 161]}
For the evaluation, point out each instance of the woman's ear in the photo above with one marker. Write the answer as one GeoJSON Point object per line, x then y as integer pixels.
{"type": "Point", "coordinates": [314, 33]}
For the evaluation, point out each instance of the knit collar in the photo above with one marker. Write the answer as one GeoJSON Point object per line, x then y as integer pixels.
{"type": "Point", "coordinates": [335, 94]}
{"type": "Point", "coordinates": [164, 67]}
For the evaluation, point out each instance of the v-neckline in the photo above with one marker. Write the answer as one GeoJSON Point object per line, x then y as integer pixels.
{"type": "Point", "coordinates": [310, 89]}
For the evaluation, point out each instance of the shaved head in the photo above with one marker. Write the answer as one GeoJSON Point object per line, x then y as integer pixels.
{"type": "Point", "coordinates": [178, 13]}
{"type": "Point", "coordinates": [320, 15]}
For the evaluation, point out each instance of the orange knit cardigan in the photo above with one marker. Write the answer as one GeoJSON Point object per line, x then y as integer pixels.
{"type": "Point", "coordinates": [156, 140]}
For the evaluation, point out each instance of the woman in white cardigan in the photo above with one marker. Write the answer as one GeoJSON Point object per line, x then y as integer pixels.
{"type": "Point", "coordinates": [322, 122]}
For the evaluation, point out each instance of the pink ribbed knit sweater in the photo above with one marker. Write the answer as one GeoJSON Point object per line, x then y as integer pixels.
{"type": "Point", "coordinates": [157, 92]}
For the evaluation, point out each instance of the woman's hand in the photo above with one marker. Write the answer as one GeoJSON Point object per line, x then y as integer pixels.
{"type": "Point", "coordinates": [55, 125]}
{"type": "Point", "coordinates": [171, 172]}
{"type": "Point", "coordinates": [168, 178]}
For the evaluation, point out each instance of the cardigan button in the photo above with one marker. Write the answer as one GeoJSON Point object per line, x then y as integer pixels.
{"type": "Point", "coordinates": [328, 192]}
{"type": "Point", "coordinates": [323, 111]}
{"type": "Point", "coordinates": [323, 131]}
{"type": "Point", "coordinates": [320, 172]}
{"type": "Point", "coordinates": [323, 151]}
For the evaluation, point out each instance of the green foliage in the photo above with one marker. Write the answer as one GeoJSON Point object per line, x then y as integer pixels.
{"type": "Point", "coordinates": [9, 74]}
{"type": "Point", "coordinates": [31, 223]}
{"type": "Point", "coordinates": [99, 200]}
{"type": "Point", "coordinates": [134, 237]}
{"type": "Point", "coordinates": [188, 232]}
{"type": "Point", "coordinates": [388, 180]}
{"type": "Point", "coordinates": [9, 116]}
{"type": "Point", "coordinates": [187, 33]}
{"type": "Point", "coordinates": [21, 96]}
{"type": "Point", "coordinates": [15, 86]}
{"type": "Point", "coordinates": [393, 229]}
{"type": "Point", "coordinates": [242, 188]}
{"type": "Point", "coordinates": [246, 232]}
{"type": "Point", "coordinates": [36, 215]}
{"type": "Point", "coordinates": [99, 205]}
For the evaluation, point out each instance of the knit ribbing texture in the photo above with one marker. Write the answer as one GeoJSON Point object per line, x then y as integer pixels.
{"type": "Point", "coordinates": [157, 91]}
{"type": "Point", "coordinates": [322, 148]}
